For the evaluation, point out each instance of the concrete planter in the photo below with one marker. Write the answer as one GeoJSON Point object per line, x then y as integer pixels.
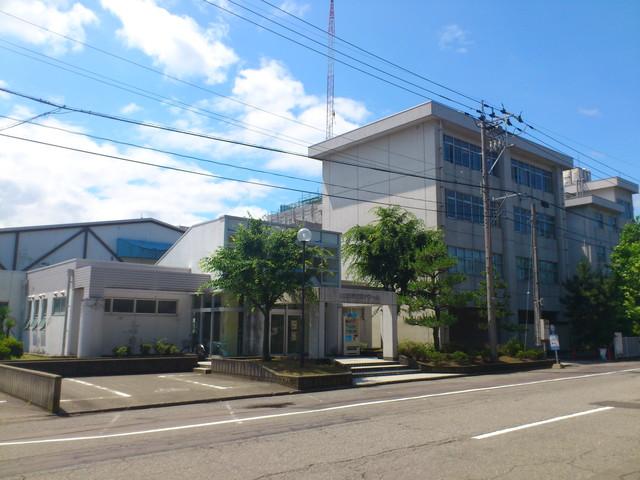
{"type": "Point", "coordinates": [94, 367]}
{"type": "Point", "coordinates": [257, 371]}
{"type": "Point", "coordinates": [488, 368]}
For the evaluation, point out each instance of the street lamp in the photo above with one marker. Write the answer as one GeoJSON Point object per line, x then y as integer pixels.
{"type": "Point", "coordinates": [304, 236]}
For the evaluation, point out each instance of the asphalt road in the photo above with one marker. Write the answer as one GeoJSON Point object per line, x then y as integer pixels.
{"type": "Point", "coordinates": [580, 422]}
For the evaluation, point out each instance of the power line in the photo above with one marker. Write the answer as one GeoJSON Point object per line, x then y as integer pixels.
{"type": "Point", "coordinates": [206, 160]}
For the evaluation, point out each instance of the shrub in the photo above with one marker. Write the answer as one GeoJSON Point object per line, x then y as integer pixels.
{"type": "Point", "coordinates": [435, 356]}
{"type": "Point", "coordinates": [14, 345]}
{"type": "Point", "coordinates": [145, 348]}
{"type": "Point", "coordinates": [459, 357]}
{"type": "Point", "coordinates": [162, 347]}
{"type": "Point", "coordinates": [122, 351]}
{"type": "Point", "coordinates": [511, 348]}
{"type": "Point", "coordinates": [5, 352]}
{"type": "Point", "coordinates": [416, 350]}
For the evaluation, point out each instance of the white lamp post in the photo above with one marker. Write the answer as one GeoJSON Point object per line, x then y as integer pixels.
{"type": "Point", "coordinates": [304, 236]}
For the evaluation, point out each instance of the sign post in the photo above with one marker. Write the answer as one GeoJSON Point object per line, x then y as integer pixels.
{"type": "Point", "coordinates": [554, 344]}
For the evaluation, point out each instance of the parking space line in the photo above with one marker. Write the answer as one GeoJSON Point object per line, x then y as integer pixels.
{"type": "Point", "coordinates": [217, 387]}
{"type": "Point", "coordinates": [3, 401]}
{"type": "Point", "coordinates": [85, 399]}
{"type": "Point", "coordinates": [82, 382]}
{"type": "Point", "coordinates": [542, 422]}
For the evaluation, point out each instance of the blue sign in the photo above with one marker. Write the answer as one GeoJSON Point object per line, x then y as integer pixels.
{"type": "Point", "coordinates": [554, 343]}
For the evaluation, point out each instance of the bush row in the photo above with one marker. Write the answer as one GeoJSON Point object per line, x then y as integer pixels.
{"type": "Point", "coordinates": [161, 347]}
{"type": "Point", "coordinates": [10, 347]}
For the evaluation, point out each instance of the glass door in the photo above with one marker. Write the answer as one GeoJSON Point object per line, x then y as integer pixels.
{"type": "Point", "coordinates": [293, 332]}
{"type": "Point", "coordinates": [277, 333]}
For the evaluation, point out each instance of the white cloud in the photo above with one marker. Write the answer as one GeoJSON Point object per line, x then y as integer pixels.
{"type": "Point", "coordinates": [57, 15]}
{"type": "Point", "coordinates": [176, 43]}
{"type": "Point", "coordinates": [130, 108]}
{"type": "Point", "coordinates": [40, 184]}
{"type": "Point", "coordinates": [295, 8]}
{"type": "Point", "coordinates": [589, 112]}
{"type": "Point", "coordinates": [4, 95]}
{"type": "Point", "coordinates": [454, 38]}
{"type": "Point", "coordinates": [299, 121]}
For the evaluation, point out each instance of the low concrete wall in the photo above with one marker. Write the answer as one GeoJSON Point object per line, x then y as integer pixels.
{"type": "Point", "coordinates": [94, 367]}
{"type": "Point", "coordinates": [39, 388]}
{"type": "Point", "coordinates": [256, 371]}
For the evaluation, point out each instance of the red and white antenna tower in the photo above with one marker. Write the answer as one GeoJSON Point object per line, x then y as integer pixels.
{"type": "Point", "coordinates": [331, 114]}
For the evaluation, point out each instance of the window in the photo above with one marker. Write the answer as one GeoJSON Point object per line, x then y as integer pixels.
{"type": "Point", "coordinates": [599, 218]}
{"type": "Point", "coordinates": [27, 320]}
{"type": "Point", "coordinates": [548, 272]}
{"type": "Point", "coordinates": [628, 208]}
{"type": "Point", "coordinates": [43, 313]}
{"type": "Point", "coordinates": [122, 305]}
{"type": "Point", "coordinates": [107, 304]}
{"type": "Point", "coordinates": [466, 154]}
{"type": "Point", "coordinates": [601, 253]}
{"type": "Point", "coordinates": [169, 307]}
{"type": "Point", "coordinates": [59, 305]}
{"type": "Point", "coordinates": [613, 224]}
{"type": "Point", "coordinates": [530, 176]}
{"type": "Point", "coordinates": [471, 262]}
{"type": "Point", "coordinates": [462, 206]}
{"type": "Point", "coordinates": [523, 268]}
{"type": "Point", "coordinates": [545, 224]}
{"type": "Point", "coordinates": [145, 306]}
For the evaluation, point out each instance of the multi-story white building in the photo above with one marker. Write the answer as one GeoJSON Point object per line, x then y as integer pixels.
{"type": "Point", "coordinates": [435, 151]}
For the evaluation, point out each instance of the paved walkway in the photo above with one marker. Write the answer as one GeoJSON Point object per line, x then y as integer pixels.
{"type": "Point", "coordinates": [90, 394]}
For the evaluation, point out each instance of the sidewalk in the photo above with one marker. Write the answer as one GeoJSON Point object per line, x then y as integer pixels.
{"type": "Point", "coordinates": [98, 394]}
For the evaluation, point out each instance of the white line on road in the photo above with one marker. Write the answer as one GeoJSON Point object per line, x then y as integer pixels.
{"type": "Point", "coordinates": [307, 412]}
{"type": "Point", "coordinates": [542, 422]}
{"type": "Point", "coordinates": [3, 401]}
{"type": "Point", "coordinates": [218, 387]}
{"type": "Point", "coordinates": [82, 382]}
{"type": "Point", "coordinates": [85, 399]}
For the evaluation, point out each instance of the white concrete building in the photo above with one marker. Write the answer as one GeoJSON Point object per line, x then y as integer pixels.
{"type": "Point", "coordinates": [141, 240]}
{"type": "Point", "coordinates": [441, 145]}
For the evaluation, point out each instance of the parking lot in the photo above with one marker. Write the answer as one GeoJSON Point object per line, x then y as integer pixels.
{"type": "Point", "coordinates": [89, 394]}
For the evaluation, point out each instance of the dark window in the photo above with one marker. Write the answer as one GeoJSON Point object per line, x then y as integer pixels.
{"type": "Point", "coordinates": [530, 176]}
{"type": "Point", "coordinates": [168, 306]}
{"type": "Point", "coordinates": [122, 305]}
{"type": "Point", "coordinates": [107, 304]}
{"type": "Point", "coordinates": [145, 306]}
{"type": "Point", "coordinates": [466, 154]}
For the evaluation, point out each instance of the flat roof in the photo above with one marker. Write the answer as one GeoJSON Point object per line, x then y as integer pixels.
{"type": "Point", "coordinates": [61, 226]}
{"type": "Point", "coordinates": [419, 114]}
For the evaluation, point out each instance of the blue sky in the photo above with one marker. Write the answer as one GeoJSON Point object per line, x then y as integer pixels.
{"type": "Point", "coordinates": [571, 67]}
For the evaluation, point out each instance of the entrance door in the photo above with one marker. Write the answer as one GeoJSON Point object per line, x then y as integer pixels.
{"type": "Point", "coordinates": [293, 332]}
{"type": "Point", "coordinates": [278, 333]}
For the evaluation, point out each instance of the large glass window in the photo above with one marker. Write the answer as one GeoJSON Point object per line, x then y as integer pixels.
{"type": "Point", "coordinates": [547, 271]}
{"type": "Point", "coordinates": [466, 154]}
{"type": "Point", "coordinates": [471, 262]}
{"type": "Point", "coordinates": [546, 224]}
{"type": "Point", "coordinates": [530, 176]}
{"type": "Point", "coordinates": [599, 218]}
{"type": "Point", "coordinates": [628, 208]}
{"type": "Point", "coordinates": [462, 206]}
{"type": "Point", "coordinates": [167, 306]}
{"type": "Point", "coordinates": [601, 253]}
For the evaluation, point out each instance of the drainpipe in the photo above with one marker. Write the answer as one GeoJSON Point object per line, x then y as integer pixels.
{"type": "Point", "coordinates": [70, 281]}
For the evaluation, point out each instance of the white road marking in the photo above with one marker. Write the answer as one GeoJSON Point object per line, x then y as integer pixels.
{"type": "Point", "coordinates": [218, 387]}
{"type": "Point", "coordinates": [85, 399]}
{"type": "Point", "coordinates": [232, 413]}
{"type": "Point", "coordinates": [3, 401]}
{"type": "Point", "coordinates": [307, 412]}
{"type": "Point", "coordinates": [82, 382]}
{"type": "Point", "coordinates": [542, 422]}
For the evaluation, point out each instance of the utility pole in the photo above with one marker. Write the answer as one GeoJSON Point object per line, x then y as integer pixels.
{"type": "Point", "coordinates": [488, 250]}
{"type": "Point", "coordinates": [536, 281]}
{"type": "Point", "coordinates": [493, 139]}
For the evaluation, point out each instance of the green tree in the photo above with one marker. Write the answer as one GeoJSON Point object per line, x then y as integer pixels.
{"type": "Point", "coordinates": [502, 297]}
{"type": "Point", "coordinates": [432, 294]}
{"type": "Point", "coordinates": [625, 266]}
{"type": "Point", "coordinates": [7, 322]}
{"type": "Point", "coordinates": [262, 264]}
{"type": "Point", "coordinates": [383, 253]}
{"type": "Point", "coordinates": [592, 306]}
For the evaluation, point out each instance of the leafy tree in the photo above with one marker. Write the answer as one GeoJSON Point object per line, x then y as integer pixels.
{"type": "Point", "coordinates": [502, 296]}
{"type": "Point", "coordinates": [262, 264]}
{"type": "Point", "coordinates": [7, 322]}
{"type": "Point", "coordinates": [432, 293]}
{"type": "Point", "coordinates": [384, 253]}
{"type": "Point", "coordinates": [625, 266]}
{"type": "Point", "coordinates": [592, 306]}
